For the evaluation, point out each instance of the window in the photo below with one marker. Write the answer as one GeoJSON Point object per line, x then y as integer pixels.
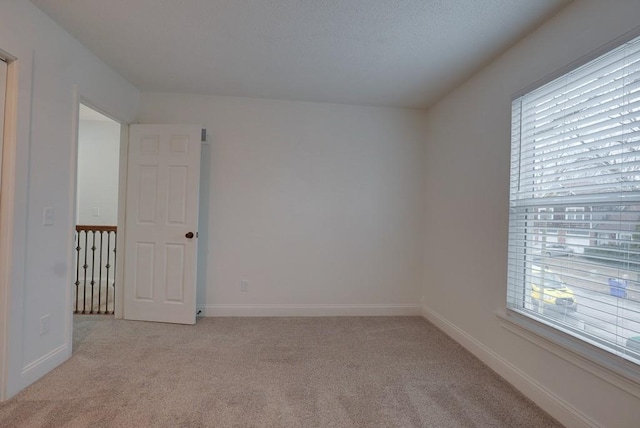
{"type": "Point", "coordinates": [575, 213]}
{"type": "Point", "coordinates": [574, 221]}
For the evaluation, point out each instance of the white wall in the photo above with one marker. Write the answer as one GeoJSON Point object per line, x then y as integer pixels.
{"type": "Point", "coordinates": [50, 62]}
{"type": "Point", "coordinates": [467, 189]}
{"type": "Point", "coordinates": [98, 160]}
{"type": "Point", "coordinates": [317, 206]}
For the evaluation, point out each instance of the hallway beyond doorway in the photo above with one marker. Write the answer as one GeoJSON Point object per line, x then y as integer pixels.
{"type": "Point", "coordinates": [97, 212]}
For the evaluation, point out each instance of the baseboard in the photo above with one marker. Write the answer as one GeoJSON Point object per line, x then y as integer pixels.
{"type": "Point", "coordinates": [264, 310]}
{"type": "Point", "coordinates": [43, 365]}
{"type": "Point", "coordinates": [539, 394]}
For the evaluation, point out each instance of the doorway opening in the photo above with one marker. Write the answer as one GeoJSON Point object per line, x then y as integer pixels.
{"type": "Point", "coordinates": [96, 212]}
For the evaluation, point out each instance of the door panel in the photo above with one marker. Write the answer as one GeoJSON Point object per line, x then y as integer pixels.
{"type": "Point", "coordinates": [144, 257]}
{"type": "Point", "coordinates": [162, 208]}
{"type": "Point", "coordinates": [174, 268]}
{"type": "Point", "coordinates": [147, 194]}
{"type": "Point", "coordinates": [177, 198]}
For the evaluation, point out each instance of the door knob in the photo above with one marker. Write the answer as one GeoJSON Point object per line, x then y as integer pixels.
{"type": "Point", "coordinates": [189, 235]}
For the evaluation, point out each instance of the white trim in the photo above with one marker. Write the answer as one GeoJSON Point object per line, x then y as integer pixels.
{"type": "Point", "coordinates": [7, 189]}
{"type": "Point", "coordinates": [43, 365]}
{"type": "Point", "coordinates": [71, 221]}
{"type": "Point", "coordinates": [596, 361]}
{"type": "Point", "coordinates": [22, 102]}
{"type": "Point", "coordinates": [307, 310]}
{"type": "Point", "coordinates": [558, 408]}
{"type": "Point", "coordinates": [122, 216]}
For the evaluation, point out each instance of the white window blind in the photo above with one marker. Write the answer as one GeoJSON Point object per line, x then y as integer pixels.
{"type": "Point", "coordinates": [574, 222]}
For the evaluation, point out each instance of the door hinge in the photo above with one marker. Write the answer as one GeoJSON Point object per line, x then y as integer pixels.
{"type": "Point", "coordinates": [203, 135]}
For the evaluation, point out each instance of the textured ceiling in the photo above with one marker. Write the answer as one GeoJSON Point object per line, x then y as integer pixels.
{"type": "Point", "coordinates": [375, 52]}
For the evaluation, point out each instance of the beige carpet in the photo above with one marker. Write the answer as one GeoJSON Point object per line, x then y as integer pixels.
{"type": "Point", "coordinates": [269, 372]}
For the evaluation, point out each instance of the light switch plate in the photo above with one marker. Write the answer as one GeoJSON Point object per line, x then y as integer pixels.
{"type": "Point", "coordinates": [48, 216]}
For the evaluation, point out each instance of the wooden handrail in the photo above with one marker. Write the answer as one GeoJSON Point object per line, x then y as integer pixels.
{"type": "Point", "coordinates": [96, 228]}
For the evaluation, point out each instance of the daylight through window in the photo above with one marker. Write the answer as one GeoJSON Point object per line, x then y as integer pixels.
{"type": "Point", "coordinates": [574, 222]}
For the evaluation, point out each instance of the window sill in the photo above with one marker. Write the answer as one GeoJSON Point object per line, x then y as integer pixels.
{"type": "Point", "coordinates": [613, 369]}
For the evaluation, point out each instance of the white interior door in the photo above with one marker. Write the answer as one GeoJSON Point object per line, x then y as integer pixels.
{"type": "Point", "coordinates": [161, 223]}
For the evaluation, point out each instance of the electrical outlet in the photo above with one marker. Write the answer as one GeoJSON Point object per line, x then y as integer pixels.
{"type": "Point", "coordinates": [45, 324]}
{"type": "Point", "coordinates": [244, 286]}
{"type": "Point", "coordinates": [95, 211]}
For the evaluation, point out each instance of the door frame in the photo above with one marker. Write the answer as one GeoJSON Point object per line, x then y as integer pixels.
{"type": "Point", "coordinates": [123, 166]}
{"type": "Point", "coordinates": [9, 148]}
{"type": "Point", "coordinates": [78, 99]}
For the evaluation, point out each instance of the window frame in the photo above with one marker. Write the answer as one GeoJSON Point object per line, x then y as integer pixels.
{"type": "Point", "coordinates": [543, 332]}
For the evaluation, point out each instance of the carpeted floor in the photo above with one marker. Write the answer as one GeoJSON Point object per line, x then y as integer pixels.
{"type": "Point", "coordinates": [270, 372]}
